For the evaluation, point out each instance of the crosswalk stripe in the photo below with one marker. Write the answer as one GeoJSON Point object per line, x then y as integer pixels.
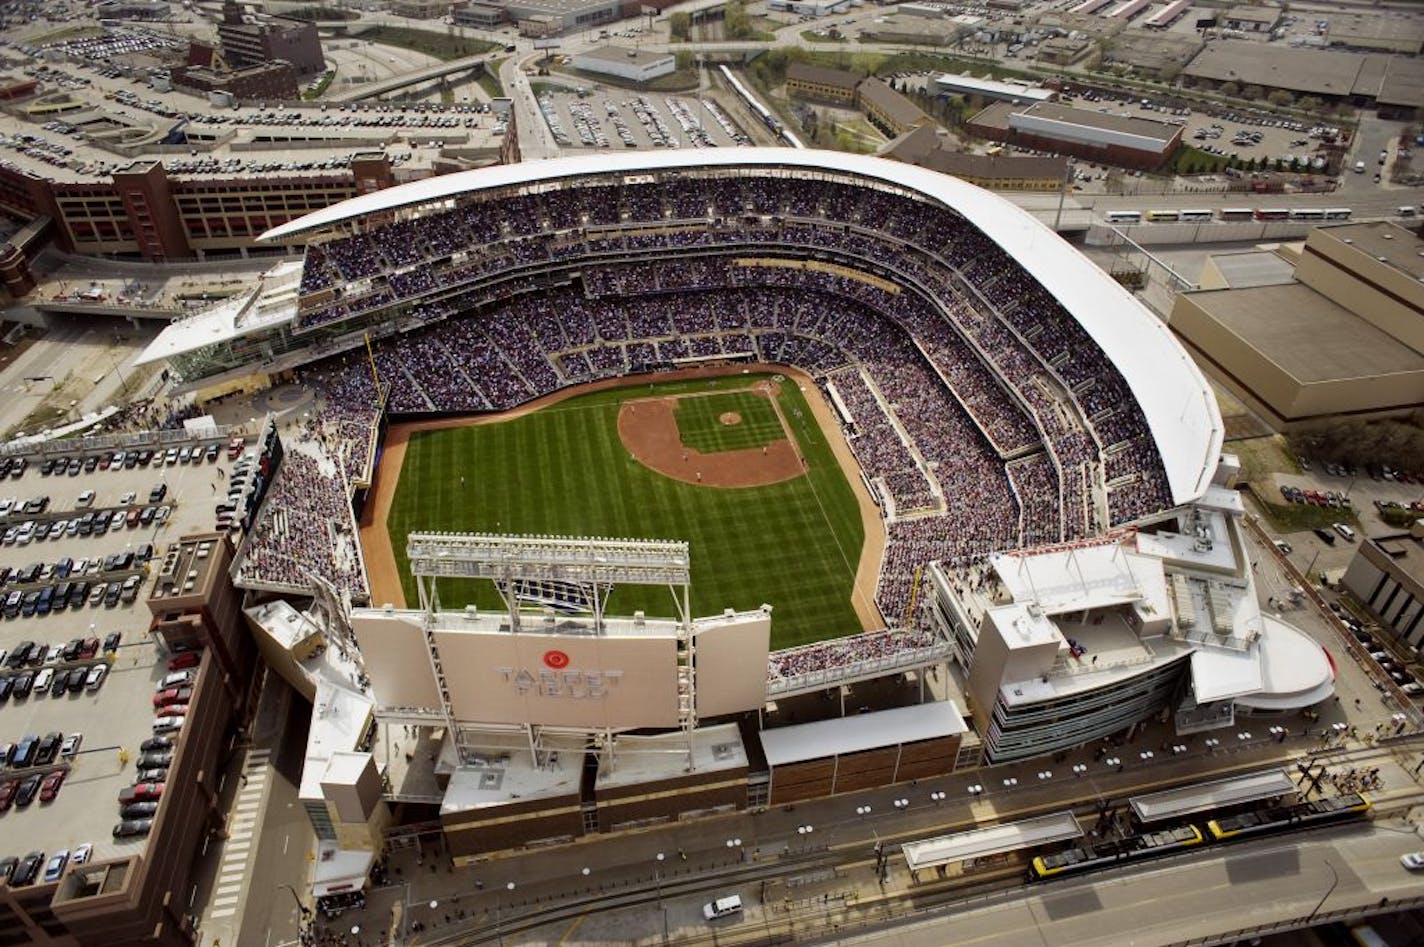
{"type": "Point", "coordinates": [224, 902]}
{"type": "Point", "coordinates": [222, 912]}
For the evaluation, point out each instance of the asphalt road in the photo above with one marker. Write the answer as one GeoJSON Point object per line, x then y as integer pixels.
{"type": "Point", "coordinates": [285, 837]}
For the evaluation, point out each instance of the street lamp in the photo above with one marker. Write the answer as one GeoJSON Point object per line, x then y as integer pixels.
{"type": "Point", "coordinates": [976, 790]}
{"type": "Point", "coordinates": [1079, 769]}
{"type": "Point", "coordinates": [1046, 774]}
{"type": "Point", "coordinates": [1212, 743]}
{"type": "Point", "coordinates": [937, 796]}
{"type": "Point", "coordinates": [498, 921]}
{"type": "Point", "coordinates": [737, 844]}
{"type": "Point", "coordinates": [658, 881]}
{"type": "Point", "coordinates": [306, 912]}
{"type": "Point", "coordinates": [862, 810]}
{"type": "Point", "coordinates": [1334, 880]}
{"type": "Point", "coordinates": [805, 832]}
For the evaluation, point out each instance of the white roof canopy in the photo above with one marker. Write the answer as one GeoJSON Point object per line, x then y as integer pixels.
{"type": "Point", "coordinates": [1172, 392]}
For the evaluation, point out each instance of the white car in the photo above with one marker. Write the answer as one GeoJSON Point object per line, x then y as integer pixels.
{"type": "Point", "coordinates": [1414, 861]}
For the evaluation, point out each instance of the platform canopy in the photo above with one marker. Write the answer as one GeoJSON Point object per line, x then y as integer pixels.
{"type": "Point", "coordinates": [994, 840]}
{"type": "Point", "coordinates": [1204, 797]}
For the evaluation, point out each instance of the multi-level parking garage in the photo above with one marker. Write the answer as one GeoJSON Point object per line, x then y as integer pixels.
{"type": "Point", "coordinates": [123, 672]}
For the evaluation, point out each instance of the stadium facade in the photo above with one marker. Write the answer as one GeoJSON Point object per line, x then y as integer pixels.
{"type": "Point", "coordinates": [1061, 535]}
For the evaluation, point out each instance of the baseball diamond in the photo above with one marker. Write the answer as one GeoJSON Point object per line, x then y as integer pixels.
{"type": "Point", "coordinates": [795, 543]}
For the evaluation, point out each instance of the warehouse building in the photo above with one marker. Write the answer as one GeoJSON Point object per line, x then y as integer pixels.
{"type": "Point", "coordinates": [1096, 136]}
{"type": "Point", "coordinates": [1344, 338]}
{"type": "Point", "coordinates": [1251, 19]}
{"type": "Point", "coordinates": [1395, 83]}
{"type": "Point", "coordinates": [992, 90]}
{"type": "Point", "coordinates": [919, 30]}
{"type": "Point", "coordinates": [1378, 30]}
{"type": "Point", "coordinates": [1387, 577]}
{"type": "Point", "coordinates": [551, 17]}
{"type": "Point", "coordinates": [634, 65]}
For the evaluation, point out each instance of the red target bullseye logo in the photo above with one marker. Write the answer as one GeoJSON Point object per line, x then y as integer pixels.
{"type": "Point", "coordinates": [556, 660]}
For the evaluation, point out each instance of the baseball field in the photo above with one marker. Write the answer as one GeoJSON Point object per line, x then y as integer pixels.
{"type": "Point", "coordinates": [738, 466]}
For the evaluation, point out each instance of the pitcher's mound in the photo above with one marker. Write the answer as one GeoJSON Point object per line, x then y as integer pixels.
{"type": "Point", "coordinates": [729, 418]}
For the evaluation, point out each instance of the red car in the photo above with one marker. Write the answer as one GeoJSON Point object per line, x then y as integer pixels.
{"type": "Point", "coordinates": [50, 787]}
{"type": "Point", "coordinates": [172, 710]}
{"type": "Point", "coordinates": [174, 695]}
{"type": "Point", "coordinates": [7, 792]}
{"type": "Point", "coordinates": [188, 659]}
{"type": "Point", "coordinates": [142, 792]}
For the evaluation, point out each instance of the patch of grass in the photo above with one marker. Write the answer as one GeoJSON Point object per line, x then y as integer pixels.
{"type": "Point", "coordinates": [67, 34]}
{"type": "Point", "coordinates": [489, 81]}
{"type": "Point", "coordinates": [699, 424]}
{"type": "Point", "coordinates": [682, 80]}
{"type": "Point", "coordinates": [322, 85]}
{"type": "Point", "coordinates": [442, 46]}
{"type": "Point", "coordinates": [1262, 456]}
{"type": "Point", "coordinates": [1297, 517]}
{"type": "Point", "coordinates": [564, 470]}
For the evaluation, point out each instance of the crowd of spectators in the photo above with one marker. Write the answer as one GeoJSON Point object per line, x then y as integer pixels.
{"type": "Point", "coordinates": [308, 527]}
{"type": "Point", "coordinates": [870, 648]}
{"type": "Point", "coordinates": [978, 405]}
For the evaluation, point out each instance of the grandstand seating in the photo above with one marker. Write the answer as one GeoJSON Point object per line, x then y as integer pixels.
{"type": "Point", "coordinates": [982, 411]}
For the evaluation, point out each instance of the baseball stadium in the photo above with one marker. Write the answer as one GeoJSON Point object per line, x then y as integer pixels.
{"type": "Point", "coordinates": [713, 471]}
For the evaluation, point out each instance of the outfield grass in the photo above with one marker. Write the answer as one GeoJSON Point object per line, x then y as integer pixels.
{"type": "Point", "coordinates": [563, 470]}
{"type": "Point", "coordinates": [699, 424]}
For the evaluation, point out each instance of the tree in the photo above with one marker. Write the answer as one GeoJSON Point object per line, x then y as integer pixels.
{"type": "Point", "coordinates": [736, 24]}
{"type": "Point", "coordinates": [1311, 103]}
{"type": "Point", "coordinates": [1230, 89]}
{"type": "Point", "coordinates": [1280, 98]}
{"type": "Point", "coordinates": [680, 25]}
{"type": "Point", "coordinates": [1252, 93]}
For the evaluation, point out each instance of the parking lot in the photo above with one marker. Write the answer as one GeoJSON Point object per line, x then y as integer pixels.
{"type": "Point", "coordinates": [112, 711]}
{"type": "Point", "coordinates": [610, 119]}
{"type": "Point", "coordinates": [1242, 133]}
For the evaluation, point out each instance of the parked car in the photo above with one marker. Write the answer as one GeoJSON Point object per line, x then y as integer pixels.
{"type": "Point", "coordinates": [96, 676]}
{"type": "Point", "coordinates": [28, 868]}
{"type": "Point", "coordinates": [173, 695]}
{"type": "Point", "coordinates": [138, 810]}
{"type": "Point", "coordinates": [130, 828]}
{"type": "Point", "coordinates": [50, 787]}
{"type": "Point", "coordinates": [141, 792]}
{"type": "Point", "coordinates": [55, 867]}
{"type": "Point", "coordinates": [29, 788]}
{"type": "Point", "coordinates": [156, 743]}
{"type": "Point", "coordinates": [188, 659]}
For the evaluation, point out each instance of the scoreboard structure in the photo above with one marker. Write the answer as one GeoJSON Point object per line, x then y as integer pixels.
{"type": "Point", "coordinates": [552, 661]}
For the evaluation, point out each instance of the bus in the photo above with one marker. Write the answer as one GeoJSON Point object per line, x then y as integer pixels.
{"type": "Point", "coordinates": [1307, 213]}
{"type": "Point", "coordinates": [1123, 217]}
{"type": "Point", "coordinates": [1195, 215]}
{"type": "Point", "coordinates": [1237, 213]}
{"type": "Point", "coordinates": [1272, 213]}
{"type": "Point", "coordinates": [1337, 213]}
{"type": "Point", "coordinates": [1163, 216]}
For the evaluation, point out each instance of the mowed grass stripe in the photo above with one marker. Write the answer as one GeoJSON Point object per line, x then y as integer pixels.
{"type": "Point", "coordinates": [699, 424]}
{"type": "Point", "coordinates": [564, 470]}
